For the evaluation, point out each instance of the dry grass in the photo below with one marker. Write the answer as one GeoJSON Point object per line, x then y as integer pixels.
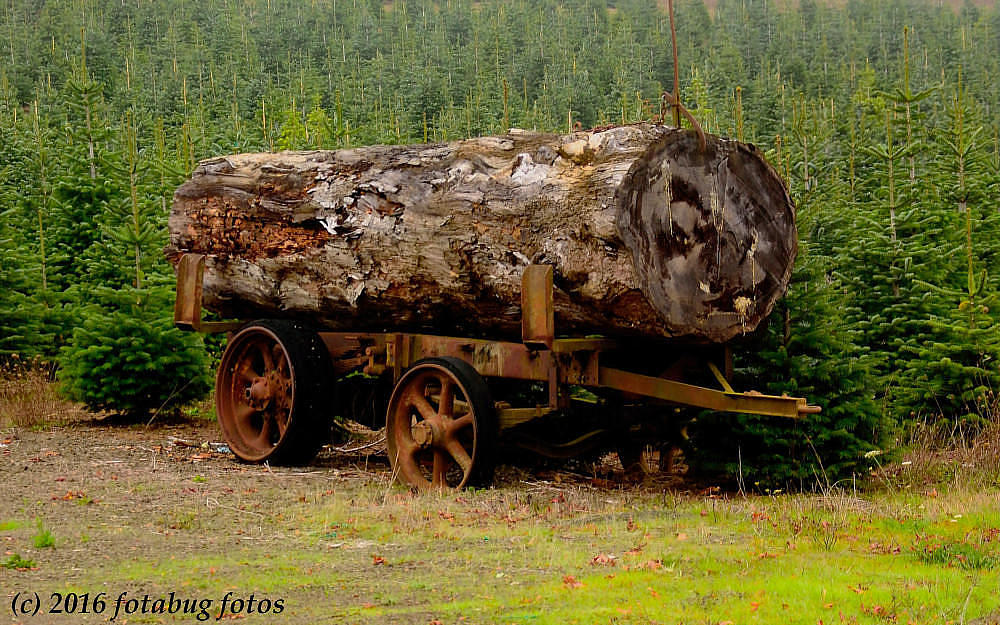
{"type": "Point", "coordinates": [944, 455]}
{"type": "Point", "coordinates": [28, 397]}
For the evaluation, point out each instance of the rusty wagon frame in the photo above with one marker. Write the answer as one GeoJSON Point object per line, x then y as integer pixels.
{"type": "Point", "coordinates": [277, 378]}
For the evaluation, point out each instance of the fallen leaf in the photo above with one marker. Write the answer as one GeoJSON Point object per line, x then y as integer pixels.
{"type": "Point", "coordinates": [603, 559]}
{"type": "Point", "coordinates": [377, 560]}
{"type": "Point", "coordinates": [754, 605]}
{"type": "Point", "coordinates": [682, 536]}
{"type": "Point", "coordinates": [570, 582]}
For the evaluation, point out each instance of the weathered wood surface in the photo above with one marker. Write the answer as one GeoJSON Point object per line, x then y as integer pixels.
{"type": "Point", "coordinates": [648, 233]}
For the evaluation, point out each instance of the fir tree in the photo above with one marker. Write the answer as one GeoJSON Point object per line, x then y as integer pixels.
{"type": "Point", "coordinates": [806, 348]}
{"type": "Point", "coordinates": [126, 345]}
{"type": "Point", "coordinates": [953, 371]}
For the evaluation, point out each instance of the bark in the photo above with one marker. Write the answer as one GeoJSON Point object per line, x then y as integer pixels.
{"type": "Point", "coordinates": [649, 232]}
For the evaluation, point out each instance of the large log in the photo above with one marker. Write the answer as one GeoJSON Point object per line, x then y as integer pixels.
{"type": "Point", "coordinates": [650, 233]}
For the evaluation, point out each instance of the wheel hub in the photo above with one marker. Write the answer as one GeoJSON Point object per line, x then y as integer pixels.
{"type": "Point", "coordinates": [426, 434]}
{"type": "Point", "coordinates": [259, 393]}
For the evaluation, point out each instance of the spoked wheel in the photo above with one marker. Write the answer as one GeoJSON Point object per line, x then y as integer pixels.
{"type": "Point", "coordinates": [441, 426]}
{"type": "Point", "coordinates": [268, 393]}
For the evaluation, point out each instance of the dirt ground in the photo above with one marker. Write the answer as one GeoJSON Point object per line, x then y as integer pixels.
{"type": "Point", "coordinates": [130, 506]}
{"type": "Point", "coordinates": [112, 495]}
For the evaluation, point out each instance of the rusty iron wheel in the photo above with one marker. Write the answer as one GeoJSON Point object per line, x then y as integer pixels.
{"type": "Point", "coordinates": [441, 426]}
{"type": "Point", "coordinates": [267, 392]}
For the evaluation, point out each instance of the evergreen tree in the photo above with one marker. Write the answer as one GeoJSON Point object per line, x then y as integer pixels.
{"type": "Point", "coordinates": [15, 323]}
{"type": "Point", "coordinates": [125, 355]}
{"type": "Point", "coordinates": [86, 184]}
{"type": "Point", "coordinates": [126, 345]}
{"type": "Point", "coordinates": [806, 348]}
{"type": "Point", "coordinates": [953, 369]}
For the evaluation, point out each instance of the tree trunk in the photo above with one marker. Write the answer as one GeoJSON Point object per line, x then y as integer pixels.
{"type": "Point", "coordinates": [649, 232]}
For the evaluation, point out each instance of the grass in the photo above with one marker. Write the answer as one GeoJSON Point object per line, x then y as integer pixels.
{"type": "Point", "coordinates": [180, 520]}
{"type": "Point", "coordinates": [203, 410]}
{"type": "Point", "coordinates": [16, 562]}
{"type": "Point", "coordinates": [541, 554]}
{"type": "Point", "coordinates": [943, 454]}
{"type": "Point", "coordinates": [965, 555]}
{"type": "Point", "coordinates": [28, 397]}
{"type": "Point", "coordinates": [44, 538]}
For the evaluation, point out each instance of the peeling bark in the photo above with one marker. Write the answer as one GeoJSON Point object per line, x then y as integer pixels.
{"type": "Point", "coordinates": [649, 235]}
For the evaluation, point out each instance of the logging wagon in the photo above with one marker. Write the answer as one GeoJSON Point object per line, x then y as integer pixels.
{"type": "Point", "coordinates": [560, 293]}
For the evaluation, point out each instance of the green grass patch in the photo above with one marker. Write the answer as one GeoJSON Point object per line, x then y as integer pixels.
{"type": "Point", "coordinates": [15, 561]}
{"type": "Point", "coordinates": [43, 539]}
{"type": "Point", "coordinates": [961, 554]}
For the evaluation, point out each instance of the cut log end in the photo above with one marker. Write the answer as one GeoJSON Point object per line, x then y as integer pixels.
{"type": "Point", "coordinates": [711, 232]}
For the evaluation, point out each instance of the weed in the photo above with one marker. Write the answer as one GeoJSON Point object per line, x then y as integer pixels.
{"type": "Point", "coordinates": [44, 538]}
{"type": "Point", "coordinates": [942, 453]}
{"type": "Point", "coordinates": [203, 410]}
{"type": "Point", "coordinates": [6, 526]}
{"type": "Point", "coordinates": [28, 396]}
{"type": "Point", "coordinates": [961, 554]}
{"type": "Point", "coordinates": [199, 479]}
{"type": "Point", "coordinates": [180, 520]}
{"type": "Point", "coordinates": [15, 561]}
